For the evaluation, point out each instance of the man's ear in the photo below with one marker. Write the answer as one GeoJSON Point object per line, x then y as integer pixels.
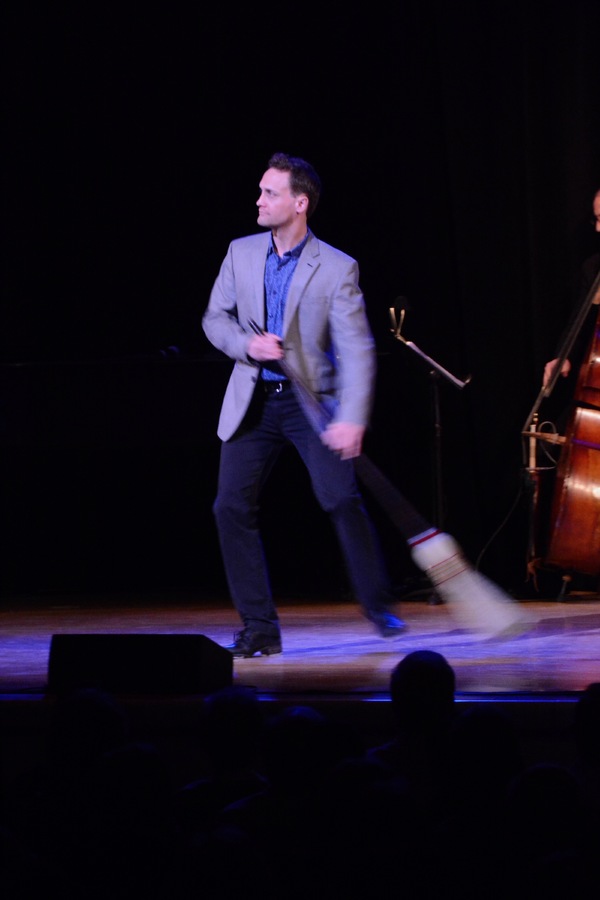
{"type": "Point", "coordinates": [301, 203]}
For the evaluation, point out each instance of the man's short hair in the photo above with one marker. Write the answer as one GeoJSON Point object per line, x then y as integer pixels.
{"type": "Point", "coordinates": [303, 178]}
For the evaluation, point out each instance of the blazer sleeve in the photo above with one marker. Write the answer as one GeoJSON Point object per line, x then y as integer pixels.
{"type": "Point", "coordinates": [354, 348]}
{"type": "Point", "coordinates": [220, 321]}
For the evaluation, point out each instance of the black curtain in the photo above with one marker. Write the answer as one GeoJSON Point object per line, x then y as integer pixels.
{"type": "Point", "coordinates": [459, 146]}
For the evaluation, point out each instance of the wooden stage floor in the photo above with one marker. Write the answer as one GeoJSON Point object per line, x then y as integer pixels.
{"type": "Point", "coordinates": [332, 660]}
{"type": "Point", "coordinates": [328, 647]}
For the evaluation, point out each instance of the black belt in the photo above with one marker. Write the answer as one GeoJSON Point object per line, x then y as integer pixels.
{"type": "Point", "coordinates": [275, 387]}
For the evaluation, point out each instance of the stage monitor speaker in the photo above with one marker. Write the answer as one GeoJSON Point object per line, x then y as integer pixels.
{"type": "Point", "coordinates": [138, 663]}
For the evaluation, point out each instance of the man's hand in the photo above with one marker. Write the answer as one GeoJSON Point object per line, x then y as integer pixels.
{"type": "Point", "coordinates": [344, 438]}
{"type": "Point", "coordinates": [549, 368]}
{"type": "Point", "coordinates": [263, 347]}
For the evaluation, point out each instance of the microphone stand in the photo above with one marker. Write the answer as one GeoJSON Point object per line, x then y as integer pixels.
{"type": "Point", "coordinates": [436, 371]}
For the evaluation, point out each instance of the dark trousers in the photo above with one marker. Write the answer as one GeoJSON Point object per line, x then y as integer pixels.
{"type": "Point", "coordinates": [273, 421]}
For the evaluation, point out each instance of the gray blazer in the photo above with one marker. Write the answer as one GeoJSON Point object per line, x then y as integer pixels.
{"type": "Point", "coordinates": [326, 334]}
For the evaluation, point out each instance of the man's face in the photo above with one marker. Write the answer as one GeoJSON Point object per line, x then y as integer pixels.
{"type": "Point", "coordinates": [597, 212]}
{"type": "Point", "coordinates": [276, 205]}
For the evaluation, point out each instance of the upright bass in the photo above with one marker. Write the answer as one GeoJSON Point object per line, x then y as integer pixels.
{"type": "Point", "coordinates": [572, 541]}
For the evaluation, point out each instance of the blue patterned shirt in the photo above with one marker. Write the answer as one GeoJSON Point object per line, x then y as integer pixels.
{"type": "Point", "coordinates": [278, 276]}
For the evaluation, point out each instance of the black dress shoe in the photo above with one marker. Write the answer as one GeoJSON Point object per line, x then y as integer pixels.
{"type": "Point", "coordinates": [248, 643]}
{"type": "Point", "coordinates": [387, 624]}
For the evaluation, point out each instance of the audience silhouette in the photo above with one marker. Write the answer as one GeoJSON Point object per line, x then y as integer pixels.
{"type": "Point", "coordinates": [230, 729]}
{"type": "Point", "coordinates": [289, 800]}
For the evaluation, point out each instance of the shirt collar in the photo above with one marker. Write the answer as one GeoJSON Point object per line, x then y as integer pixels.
{"type": "Point", "coordinates": [295, 251]}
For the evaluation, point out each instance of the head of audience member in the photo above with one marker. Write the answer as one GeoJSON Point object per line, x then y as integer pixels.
{"type": "Point", "coordinates": [586, 725]}
{"type": "Point", "coordinates": [422, 689]}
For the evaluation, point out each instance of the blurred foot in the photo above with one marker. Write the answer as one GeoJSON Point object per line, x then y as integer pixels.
{"type": "Point", "coordinates": [387, 624]}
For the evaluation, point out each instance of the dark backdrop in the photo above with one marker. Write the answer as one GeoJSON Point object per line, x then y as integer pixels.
{"type": "Point", "coordinates": [459, 146]}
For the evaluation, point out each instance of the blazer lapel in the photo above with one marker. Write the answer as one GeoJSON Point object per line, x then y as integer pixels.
{"type": "Point", "coordinates": [307, 266]}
